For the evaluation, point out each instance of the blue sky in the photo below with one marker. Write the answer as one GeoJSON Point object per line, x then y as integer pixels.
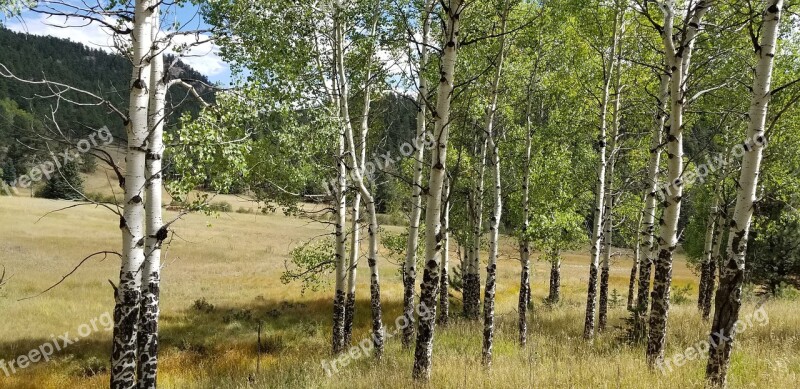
{"type": "Point", "coordinates": [204, 58]}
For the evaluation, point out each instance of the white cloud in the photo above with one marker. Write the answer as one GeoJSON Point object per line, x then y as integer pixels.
{"type": "Point", "coordinates": [204, 57]}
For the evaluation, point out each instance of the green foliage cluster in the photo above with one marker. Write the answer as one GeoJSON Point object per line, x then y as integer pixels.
{"type": "Point", "coordinates": [65, 184]}
{"type": "Point", "coordinates": [309, 264]}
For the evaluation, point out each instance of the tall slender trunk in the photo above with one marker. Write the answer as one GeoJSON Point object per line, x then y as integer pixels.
{"type": "Point", "coordinates": [369, 200]}
{"type": "Point", "coordinates": [147, 366]}
{"type": "Point", "coordinates": [728, 300]}
{"type": "Point", "coordinates": [127, 295]}
{"type": "Point", "coordinates": [608, 213]}
{"type": "Point", "coordinates": [340, 247]}
{"type": "Point", "coordinates": [433, 236]}
{"type": "Point", "coordinates": [494, 222]}
{"type": "Point", "coordinates": [554, 295]}
{"type": "Point", "coordinates": [340, 300]}
{"type": "Point", "coordinates": [491, 267]}
{"type": "Point", "coordinates": [708, 254]}
{"type": "Point", "coordinates": [524, 241]}
{"type": "Point", "coordinates": [472, 280]}
{"type": "Point", "coordinates": [410, 267]}
{"type": "Point", "coordinates": [444, 284]}
{"type": "Point", "coordinates": [647, 245]}
{"type": "Point", "coordinates": [678, 60]}
{"type": "Point", "coordinates": [712, 264]}
{"type": "Point", "coordinates": [635, 267]}
{"type": "Point", "coordinates": [597, 225]}
{"type": "Point", "coordinates": [352, 268]}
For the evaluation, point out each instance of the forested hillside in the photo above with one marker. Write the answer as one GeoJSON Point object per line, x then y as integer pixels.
{"type": "Point", "coordinates": [33, 57]}
{"type": "Point", "coordinates": [26, 110]}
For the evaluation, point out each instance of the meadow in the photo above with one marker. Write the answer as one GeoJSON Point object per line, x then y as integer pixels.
{"type": "Point", "coordinates": [221, 278]}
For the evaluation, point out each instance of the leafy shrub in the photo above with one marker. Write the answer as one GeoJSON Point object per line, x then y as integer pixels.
{"type": "Point", "coordinates": [237, 315]}
{"type": "Point", "coordinates": [309, 264]}
{"type": "Point", "coordinates": [220, 206]}
{"type": "Point", "coordinates": [680, 294]}
{"type": "Point", "coordinates": [92, 367]}
{"type": "Point", "coordinates": [202, 305]}
{"type": "Point", "coordinates": [615, 299]}
{"type": "Point", "coordinates": [102, 198]}
{"type": "Point", "coordinates": [788, 292]}
{"type": "Point", "coordinates": [66, 184]}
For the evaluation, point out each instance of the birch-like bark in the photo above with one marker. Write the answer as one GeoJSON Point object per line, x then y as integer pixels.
{"type": "Point", "coordinates": [635, 267]}
{"type": "Point", "coordinates": [156, 233]}
{"type": "Point", "coordinates": [410, 267]}
{"type": "Point", "coordinates": [494, 222]}
{"type": "Point", "coordinates": [647, 246]}
{"type": "Point", "coordinates": [433, 233]}
{"type": "Point", "coordinates": [127, 295]}
{"type": "Point", "coordinates": [444, 284]}
{"type": "Point", "coordinates": [554, 295]}
{"type": "Point", "coordinates": [712, 264]}
{"type": "Point", "coordinates": [472, 278]}
{"type": "Point", "coordinates": [678, 58]}
{"type": "Point", "coordinates": [524, 241]}
{"type": "Point", "coordinates": [355, 234]}
{"type": "Point", "coordinates": [728, 300]}
{"type": "Point", "coordinates": [597, 225]}
{"type": "Point", "coordinates": [608, 213]}
{"type": "Point", "coordinates": [340, 237]}
{"type": "Point", "coordinates": [352, 266]}
{"type": "Point", "coordinates": [708, 254]}
{"type": "Point", "coordinates": [491, 267]}
{"type": "Point", "coordinates": [369, 200]}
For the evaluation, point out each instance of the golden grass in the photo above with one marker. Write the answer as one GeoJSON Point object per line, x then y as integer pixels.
{"type": "Point", "coordinates": [234, 261]}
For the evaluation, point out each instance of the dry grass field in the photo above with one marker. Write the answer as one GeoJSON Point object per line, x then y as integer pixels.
{"type": "Point", "coordinates": [234, 261]}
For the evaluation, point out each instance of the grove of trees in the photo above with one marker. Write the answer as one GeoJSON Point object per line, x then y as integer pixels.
{"type": "Point", "coordinates": [641, 125]}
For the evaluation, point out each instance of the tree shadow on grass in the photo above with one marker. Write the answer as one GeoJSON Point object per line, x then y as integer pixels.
{"type": "Point", "coordinates": [203, 331]}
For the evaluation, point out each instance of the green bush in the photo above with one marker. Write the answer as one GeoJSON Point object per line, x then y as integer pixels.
{"type": "Point", "coordinates": [102, 198]}
{"type": "Point", "coordinates": [786, 291]}
{"type": "Point", "coordinates": [220, 206]}
{"type": "Point", "coordinates": [66, 183]}
{"type": "Point", "coordinates": [680, 294]}
{"type": "Point", "coordinates": [202, 305]}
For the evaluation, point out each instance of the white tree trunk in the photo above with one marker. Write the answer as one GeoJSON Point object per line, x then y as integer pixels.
{"type": "Point", "coordinates": [352, 269]}
{"type": "Point", "coordinates": [410, 267]}
{"type": "Point", "coordinates": [524, 242]}
{"type": "Point", "coordinates": [647, 247]}
{"type": "Point", "coordinates": [635, 267]}
{"type": "Point", "coordinates": [128, 293]}
{"type": "Point", "coordinates": [340, 237]}
{"type": "Point", "coordinates": [472, 278]}
{"type": "Point", "coordinates": [608, 204]}
{"type": "Point", "coordinates": [708, 254]}
{"type": "Point", "coordinates": [433, 236]}
{"type": "Point", "coordinates": [678, 61]}
{"type": "Point", "coordinates": [713, 263]}
{"type": "Point", "coordinates": [372, 256]}
{"type": "Point", "coordinates": [494, 223]}
{"type": "Point", "coordinates": [156, 233]}
{"type": "Point", "coordinates": [728, 300]}
{"type": "Point", "coordinates": [444, 284]}
{"type": "Point", "coordinates": [597, 225]}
